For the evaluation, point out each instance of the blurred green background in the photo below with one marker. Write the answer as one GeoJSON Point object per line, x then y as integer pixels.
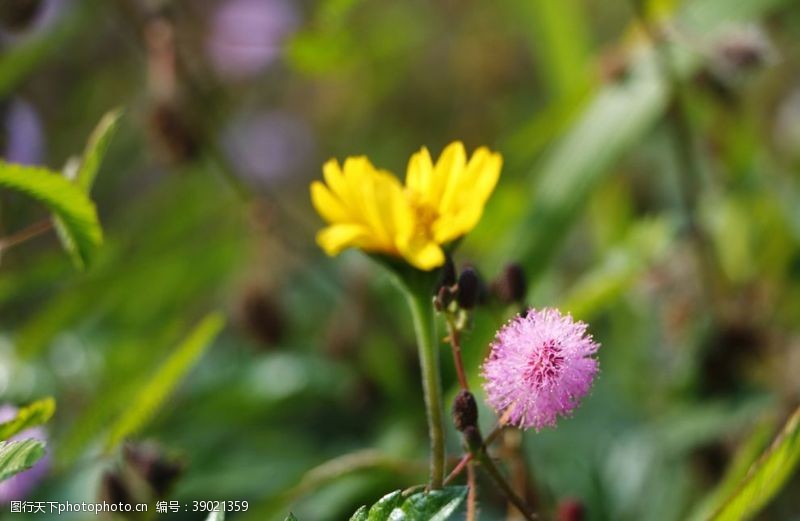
{"type": "Point", "coordinates": [653, 194]}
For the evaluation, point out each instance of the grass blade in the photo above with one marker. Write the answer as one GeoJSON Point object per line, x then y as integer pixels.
{"type": "Point", "coordinates": [165, 380]}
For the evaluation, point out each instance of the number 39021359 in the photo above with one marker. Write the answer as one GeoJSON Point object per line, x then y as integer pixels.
{"type": "Point", "coordinates": [216, 506]}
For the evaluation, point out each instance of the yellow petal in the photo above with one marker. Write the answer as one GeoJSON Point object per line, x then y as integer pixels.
{"type": "Point", "coordinates": [393, 208]}
{"type": "Point", "coordinates": [403, 218]}
{"type": "Point", "coordinates": [328, 205]}
{"type": "Point", "coordinates": [449, 228]}
{"type": "Point", "coordinates": [424, 254]}
{"type": "Point", "coordinates": [334, 178]}
{"type": "Point", "coordinates": [336, 238]}
{"type": "Point", "coordinates": [462, 211]}
{"type": "Point", "coordinates": [419, 172]}
{"type": "Point", "coordinates": [484, 171]}
{"type": "Point", "coordinates": [449, 167]}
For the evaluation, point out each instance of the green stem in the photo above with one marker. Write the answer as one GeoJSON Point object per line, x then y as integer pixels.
{"type": "Point", "coordinates": [421, 312]}
{"type": "Point", "coordinates": [501, 482]}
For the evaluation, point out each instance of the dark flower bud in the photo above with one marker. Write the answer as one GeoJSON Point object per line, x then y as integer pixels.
{"type": "Point", "coordinates": [447, 273]}
{"type": "Point", "coordinates": [739, 51]}
{"type": "Point", "coordinates": [157, 469]}
{"type": "Point", "coordinates": [175, 139]}
{"type": "Point", "coordinates": [465, 411]}
{"type": "Point", "coordinates": [114, 489]}
{"type": "Point", "coordinates": [614, 66]}
{"type": "Point", "coordinates": [469, 289]}
{"type": "Point", "coordinates": [262, 317]}
{"type": "Point", "coordinates": [511, 286]}
{"type": "Point", "coordinates": [571, 510]}
{"type": "Point", "coordinates": [16, 15]}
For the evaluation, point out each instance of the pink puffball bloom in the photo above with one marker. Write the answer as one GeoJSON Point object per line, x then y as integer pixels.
{"type": "Point", "coordinates": [539, 367]}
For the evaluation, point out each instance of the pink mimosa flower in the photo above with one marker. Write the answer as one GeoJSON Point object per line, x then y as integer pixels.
{"type": "Point", "coordinates": [539, 367]}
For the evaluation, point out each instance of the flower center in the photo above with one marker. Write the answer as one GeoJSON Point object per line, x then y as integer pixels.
{"type": "Point", "coordinates": [425, 214]}
{"type": "Point", "coordinates": [544, 364]}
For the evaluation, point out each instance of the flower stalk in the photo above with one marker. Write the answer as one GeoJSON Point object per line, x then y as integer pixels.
{"type": "Point", "coordinates": [494, 473]}
{"type": "Point", "coordinates": [421, 313]}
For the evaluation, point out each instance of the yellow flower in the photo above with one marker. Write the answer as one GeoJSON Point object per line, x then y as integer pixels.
{"type": "Point", "coordinates": [369, 209]}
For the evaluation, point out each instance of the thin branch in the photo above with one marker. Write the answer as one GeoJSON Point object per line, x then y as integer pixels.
{"type": "Point", "coordinates": [34, 230]}
{"type": "Point", "coordinates": [466, 458]}
{"type": "Point", "coordinates": [454, 339]}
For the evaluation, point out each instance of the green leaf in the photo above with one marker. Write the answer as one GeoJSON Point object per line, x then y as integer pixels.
{"type": "Point", "coordinates": [437, 505]}
{"type": "Point", "coordinates": [32, 415]}
{"type": "Point", "coordinates": [747, 453]}
{"type": "Point", "coordinates": [84, 178]}
{"type": "Point", "coordinates": [164, 381]}
{"type": "Point", "coordinates": [17, 456]}
{"type": "Point", "coordinates": [559, 38]}
{"type": "Point", "coordinates": [766, 477]}
{"type": "Point", "coordinates": [385, 505]}
{"type": "Point", "coordinates": [96, 148]}
{"type": "Point", "coordinates": [219, 515]}
{"type": "Point", "coordinates": [74, 210]}
{"type": "Point", "coordinates": [360, 515]}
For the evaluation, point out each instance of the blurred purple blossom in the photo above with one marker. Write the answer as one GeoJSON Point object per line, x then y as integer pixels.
{"type": "Point", "coordinates": [246, 35]}
{"type": "Point", "coordinates": [23, 130]}
{"type": "Point", "coordinates": [18, 487]}
{"type": "Point", "coordinates": [268, 146]}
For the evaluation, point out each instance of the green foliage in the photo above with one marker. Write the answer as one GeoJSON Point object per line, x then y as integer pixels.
{"type": "Point", "coordinates": [291, 517]}
{"type": "Point", "coordinates": [587, 201]}
{"type": "Point", "coordinates": [616, 119]}
{"type": "Point", "coordinates": [75, 211]}
{"type": "Point", "coordinates": [219, 515]}
{"type": "Point", "coordinates": [560, 38]}
{"type": "Point", "coordinates": [362, 514]}
{"type": "Point", "coordinates": [29, 416]}
{"type": "Point", "coordinates": [17, 456]}
{"type": "Point", "coordinates": [746, 455]}
{"type": "Point", "coordinates": [160, 386]}
{"type": "Point", "coordinates": [381, 510]}
{"type": "Point", "coordinates": [766, 477]}
{"type": "Point", "coordinates": [96, 148]}
{"type": "Point", "coordinates": [84, 178]}
{"type": "Point", "coordinates": [437, 505]}
{"type": "Point", "coordinates": [619, 268]}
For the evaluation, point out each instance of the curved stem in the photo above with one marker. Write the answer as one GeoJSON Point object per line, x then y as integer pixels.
{"type": "Point", "coordinates": [462, 464]}
{"type": "Point", "coordinates": [421, 312]}
{"type": "Point", "coordinates": [501, 482]}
